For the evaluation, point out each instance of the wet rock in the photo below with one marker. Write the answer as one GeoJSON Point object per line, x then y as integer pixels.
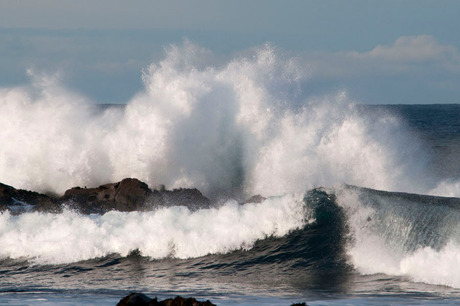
{"type": "Point", "coordinates": [255, 199]}
{"type": "Point", "coordinates": [139, 299]}
{"type": "Point", "coordinates": [180, 301]}
{"type": "Point", "coordinates": [19, 200]}
{"type": "Point", "coordinates": [135, 299]}
{"type": "Point", "coordinates": [190, 197]}
{"type": "Point", "coordinates": [130, 194]}
{"type": "Point", "coordinates": [127, 195]}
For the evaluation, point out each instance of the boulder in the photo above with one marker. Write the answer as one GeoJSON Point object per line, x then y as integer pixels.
{"type": "Point", "coordinates": [128, 195]}
{"type": "Point", "coordinates": [131, 194]}
{"type": "Point", "coordinates": [140, 299]}
{"type": "Point", "coordinates": [135, 299]}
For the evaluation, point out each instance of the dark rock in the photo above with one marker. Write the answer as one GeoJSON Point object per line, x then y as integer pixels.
{"type": "Point", "coordinates": [139, 299]}
{"type": "Point", "coordinates": [135, 299]}
{"type": "Point", "coordinates": [127, 195]}
{"type": "Point", "coordinates": [180, 301]}
{"type": "Point", "coordinates": [130, 194]}
{"type": "Point", "coordinates": [192, 198]}
{"type": "Point", "coordinates": [18, 200]}
{"type": "Point", "coordinates": [255, 199]}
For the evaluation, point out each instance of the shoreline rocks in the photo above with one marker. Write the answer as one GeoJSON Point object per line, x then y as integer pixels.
{"type": "Point", "coordinates": [140, 299]}
{"type": "Point", "coordinates": [129, 194]}
{"type": "Point", "coordinates": [19, 200]}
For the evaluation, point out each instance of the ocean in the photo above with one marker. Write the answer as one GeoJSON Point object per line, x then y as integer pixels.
{"type": "Point", "coordinates": [361, 202]}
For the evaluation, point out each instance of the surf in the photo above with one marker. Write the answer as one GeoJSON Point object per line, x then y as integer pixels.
{"type": "Point", "coordinates": [246, 126]}
{"type": "Point", "coordinates": [242, 127]}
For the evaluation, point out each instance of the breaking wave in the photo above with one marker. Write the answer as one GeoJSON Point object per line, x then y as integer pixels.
{"type": "Point", "coordinates": [177, 232]}
{"type": "Point", "coordinates": [244, 126]}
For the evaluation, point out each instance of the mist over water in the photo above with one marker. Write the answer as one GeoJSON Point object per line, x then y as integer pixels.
{"type": "Point", "coordinates": [242, 127]}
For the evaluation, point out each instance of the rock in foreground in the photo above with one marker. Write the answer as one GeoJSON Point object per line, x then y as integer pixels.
{"type": "Point", "coordinates": [139, 299]}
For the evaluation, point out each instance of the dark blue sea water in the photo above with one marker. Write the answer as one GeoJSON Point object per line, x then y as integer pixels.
{"type": "Point", "coordinates": [362, 201]}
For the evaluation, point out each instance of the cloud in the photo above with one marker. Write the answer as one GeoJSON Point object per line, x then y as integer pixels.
{"type": "Point", "coordinates": [411, 69]}
{"type": "Point", "coordinates": [416, 55]}
{"type": "Point", "coordinates": [419, 48]}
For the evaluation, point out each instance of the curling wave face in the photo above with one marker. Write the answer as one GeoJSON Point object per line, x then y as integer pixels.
{"type": "Point", "coordinates": [403, 234]}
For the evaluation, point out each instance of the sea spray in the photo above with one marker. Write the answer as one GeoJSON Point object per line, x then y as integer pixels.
{"type": "Point", "coordinates": [247, 126]}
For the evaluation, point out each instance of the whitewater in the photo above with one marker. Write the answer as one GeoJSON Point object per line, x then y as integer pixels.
{"type": "Point", "coordinates": [246, 126]}
{"type": "Point", "coordinates": [350, 191]}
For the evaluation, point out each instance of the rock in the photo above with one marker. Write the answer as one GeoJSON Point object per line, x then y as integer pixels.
{"type": "Point", "coordinates": [255, 199]}
{"type": "Point", "coordinates": [192, 198]}
{"type": "Point", "coordinates": [135, 299]}
{"type": "Point", "coordinates": [18, 200]}
{"type": "Point", "coordinates": [180, 301]}
{"type": "Point", "coordinates": [130, 194]}
{"type": "Point", "coordinates": [139, 299]}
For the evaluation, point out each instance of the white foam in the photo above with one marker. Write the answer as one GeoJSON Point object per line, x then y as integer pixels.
{"type": "Point", "coordinates": [440, 267]}
{"type": "Point", "coordinates": [384, 240]}
{"type": "Point", "coordinates": [244, 124]}
{"type": "Point", "coordinates": [174, 231]}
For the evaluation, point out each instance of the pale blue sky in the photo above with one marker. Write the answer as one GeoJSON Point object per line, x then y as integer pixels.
{"type": "Point", "coordinates": [379, 51]}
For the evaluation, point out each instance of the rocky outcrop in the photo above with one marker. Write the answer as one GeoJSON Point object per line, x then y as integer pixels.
{"type": "Point", "coordinates": [139, 299]}
{"type": "Point", "coordinates": [255, 199]}
{"type": "Point", "coordinates": [18, 200]}
{"type": "Point", "coordinates": [130, 194]}
{"type": "Point", "coordinates": [192, 198]}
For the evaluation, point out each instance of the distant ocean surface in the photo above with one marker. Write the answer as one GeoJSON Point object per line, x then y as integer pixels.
{"type": "Point", "coordinates": [362, 201]}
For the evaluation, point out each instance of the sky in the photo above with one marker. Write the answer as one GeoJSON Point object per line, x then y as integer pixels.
{"type": "Point", "coordinates": [379, 52]}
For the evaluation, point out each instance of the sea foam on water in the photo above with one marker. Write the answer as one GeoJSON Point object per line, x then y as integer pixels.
{"type": "Point", "coordinates": [47, 238]}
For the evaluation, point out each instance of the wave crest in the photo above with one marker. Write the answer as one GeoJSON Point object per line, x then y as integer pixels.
{"type": "Point", "coordinates": [247, 125]}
